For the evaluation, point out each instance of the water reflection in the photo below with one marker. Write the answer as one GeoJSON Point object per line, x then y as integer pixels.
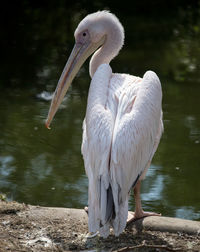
{"type": "Point", "coordinates": [187, 213]}
{"type": "Point", "coordinates": [153, 188]}
{"type": "Point", "coordinates": [44, 167]}
{"type": "Point", "coordinates": [44, 95]}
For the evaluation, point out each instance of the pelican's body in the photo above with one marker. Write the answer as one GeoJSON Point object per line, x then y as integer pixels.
{"type": "Point", "coordinates": [121, 132]}
{"type": "Point", "coordinates": [122, 126]}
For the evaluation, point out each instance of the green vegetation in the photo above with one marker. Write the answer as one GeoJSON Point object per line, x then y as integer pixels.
{"type": "Point", "coordinates": [38, 37]}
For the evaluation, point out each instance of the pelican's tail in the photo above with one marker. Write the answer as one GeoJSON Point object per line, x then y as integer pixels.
{"type": "Point", "coordinates": [93, 208]}
{"type": "Point", "coordinates": [101, 207]}
{"type": "Point", "coordinates": [121, 211]}
{"type": "Point", "coordinates": [107, 210]}
{"type": "Point", "coordinates": [106, 207]}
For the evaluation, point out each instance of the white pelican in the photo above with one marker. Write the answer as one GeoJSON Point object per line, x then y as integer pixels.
{"type": "Point", "coordinates": [122, 126]}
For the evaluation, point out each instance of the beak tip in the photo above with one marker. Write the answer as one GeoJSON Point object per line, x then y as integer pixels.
{"type": "Point", "coordinates": [47, 125]}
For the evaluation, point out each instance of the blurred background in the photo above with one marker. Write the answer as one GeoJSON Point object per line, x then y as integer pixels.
{"type": "Point", "coordinates": [45, 167]}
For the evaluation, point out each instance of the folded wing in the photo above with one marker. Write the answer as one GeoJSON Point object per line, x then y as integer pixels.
{"type": "Point", "coordinates": [137, 131]}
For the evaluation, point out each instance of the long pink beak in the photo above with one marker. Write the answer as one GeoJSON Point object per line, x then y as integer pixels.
{"type": "Point", "coordinates": [78, 56]}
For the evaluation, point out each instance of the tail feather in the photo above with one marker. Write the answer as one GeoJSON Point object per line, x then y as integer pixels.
{"type": "Point", "coordinates": [93, 207]}
{"type": "Point", "coordinates": [101, 206]}
{"type": "Point", "coordinates": [106, 208]}
{"type": "Point", "coordinates": [110, 207]}
{"type": "Point", "coordinates": [119, 223]}
{"type": "Point", "coordinates": [121, 210]}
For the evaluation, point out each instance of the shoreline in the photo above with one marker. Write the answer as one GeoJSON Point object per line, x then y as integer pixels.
{"type": "Point", "coordinates": [35, 228]}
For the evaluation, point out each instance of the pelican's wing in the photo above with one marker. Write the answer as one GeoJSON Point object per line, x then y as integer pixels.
{"type": "Point", "coordinates": [136, 135]}
{"type": "Point", "coordinates": [96, 145]}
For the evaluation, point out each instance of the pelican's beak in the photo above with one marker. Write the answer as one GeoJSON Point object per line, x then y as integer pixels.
{"type": "Point", "coordinates": [79, 54]}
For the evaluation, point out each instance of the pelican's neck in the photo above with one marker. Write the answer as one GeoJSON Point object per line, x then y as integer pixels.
{"type": "Point", "coordinates": [111, 47]}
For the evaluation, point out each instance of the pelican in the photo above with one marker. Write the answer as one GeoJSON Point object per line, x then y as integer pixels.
{"type": "Point", "coordinates": [122, 126]}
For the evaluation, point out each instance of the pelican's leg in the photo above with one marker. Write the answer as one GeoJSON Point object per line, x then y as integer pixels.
{"type": "Point", "coordinates": [139, 213]}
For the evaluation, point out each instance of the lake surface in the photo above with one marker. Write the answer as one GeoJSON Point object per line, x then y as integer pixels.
{"type": "Point", "coordinates": [45, 167]}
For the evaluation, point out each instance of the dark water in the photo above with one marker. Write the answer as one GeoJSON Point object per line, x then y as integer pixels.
{"type": "Point", "coordinates": [38, 166]}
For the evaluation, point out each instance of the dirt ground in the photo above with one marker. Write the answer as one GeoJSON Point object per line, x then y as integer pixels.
{"type": "Point", "coordinates": [27, 228]}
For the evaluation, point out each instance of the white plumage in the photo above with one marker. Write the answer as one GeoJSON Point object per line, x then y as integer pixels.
{"type": "Point", "coordinates": [122, 126]}
{"type": "Point", "coordinates": [121, 132]}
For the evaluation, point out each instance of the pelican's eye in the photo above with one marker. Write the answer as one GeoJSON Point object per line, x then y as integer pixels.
{"type": "Point", "coordinates": [83, 36]}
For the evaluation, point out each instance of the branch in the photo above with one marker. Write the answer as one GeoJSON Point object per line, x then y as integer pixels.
{"type": "Point", "coordinates": [143, 245]}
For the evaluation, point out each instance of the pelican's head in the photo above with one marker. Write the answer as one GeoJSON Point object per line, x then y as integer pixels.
{"type": "Point", "coordinates": [94, 31]}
